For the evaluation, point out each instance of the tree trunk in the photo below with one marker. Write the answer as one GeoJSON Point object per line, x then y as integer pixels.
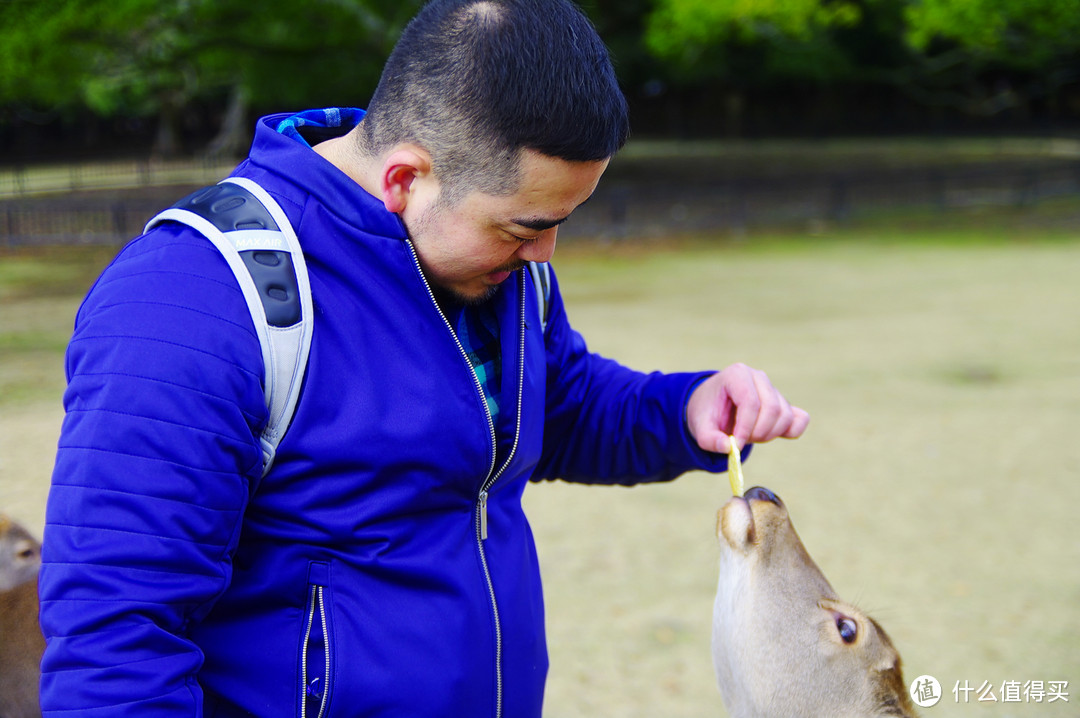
{"type": "Point", "coordinates": [734, 110]}
{"type": "Point", "coordinates": [167, 141]}
{"type": "Point", "coordinates": [234, 135]}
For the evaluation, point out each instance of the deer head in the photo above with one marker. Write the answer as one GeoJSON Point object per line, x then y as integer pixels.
{"type": "Point", "coordinates": [784, 644]}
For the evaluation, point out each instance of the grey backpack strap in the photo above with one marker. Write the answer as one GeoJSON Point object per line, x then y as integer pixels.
{"type": "Point", "coordinates": [255, 237]}
{"type": "Point", "coordinates": [541, 277]}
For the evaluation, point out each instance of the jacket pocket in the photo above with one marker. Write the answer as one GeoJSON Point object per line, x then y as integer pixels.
{"type": "Point", "coordinates": [316, 645]}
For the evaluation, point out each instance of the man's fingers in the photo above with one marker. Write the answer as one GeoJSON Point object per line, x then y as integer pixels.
{"type": "Point", "coordinates": [742, 402]}
{"type": "Point", "coordinates": [712, 438]}
{"type": "Point", "coordinates": [723, 443]}
{"type": "Point", "coordinates": [800, 420]}
{"type": "Point", "coordinates": [745, 395]}
{"type": "Point", "coordinates": [762, 413]}
{"type": "Point", "coordinates": [774, 416]}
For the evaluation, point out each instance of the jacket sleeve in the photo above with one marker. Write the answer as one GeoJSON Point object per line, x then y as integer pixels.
{"type": "Point", "coordinates": [157, 458]}
{"type": "Point", "coordinates": [609, 424]}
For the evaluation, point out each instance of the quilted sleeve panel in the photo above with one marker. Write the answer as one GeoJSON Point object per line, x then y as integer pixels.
{"type": "Point", "coordinates": [157, 458]}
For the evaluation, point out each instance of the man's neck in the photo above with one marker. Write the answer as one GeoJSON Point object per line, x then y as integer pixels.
{"type": "Point", "coordinates": [344, 153]}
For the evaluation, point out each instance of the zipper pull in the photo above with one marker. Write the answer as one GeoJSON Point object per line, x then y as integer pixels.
{"type": "Point", "coordinates": [483, 515]}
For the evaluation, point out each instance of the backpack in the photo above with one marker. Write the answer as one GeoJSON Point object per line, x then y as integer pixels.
{"type": "Point", "coordinates": [259, 244]}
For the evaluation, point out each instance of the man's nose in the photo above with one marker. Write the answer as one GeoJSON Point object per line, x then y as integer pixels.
{"type": "Point", "coordinates": [540, 249]}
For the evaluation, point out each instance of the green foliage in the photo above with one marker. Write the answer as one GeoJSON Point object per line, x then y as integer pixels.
{"type": "Point", "coordinates": [989, 56]}
{"type": "Point", "coordinates": [703, 21]}
{"type": "Point", "coordinates": [622, 25]}
{"type": "Point", "coordinates": [31, 65]}
{"type": "Point", "coordinates": [157, 57]}
{"type": "Point", "coordinates": [785, 37]}
{"type": "Point", "coordinates": [109, 56]}
{"type": "Point", "coordinates": [1018, 33]}
{"type": "Point", "coordinates": [146, 56]}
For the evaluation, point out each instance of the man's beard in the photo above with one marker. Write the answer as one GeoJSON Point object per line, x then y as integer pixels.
{"type": "Point", "coordinates": [448, 295]}
{"type": "Point", "coordinates": [444, 295]}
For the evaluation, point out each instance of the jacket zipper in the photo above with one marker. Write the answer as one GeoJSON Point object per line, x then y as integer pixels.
{"type": "Point", "coordinates": [481, 509]}
{"type": "Point", "coordinates": [493, 475]}
{"type": "Point", "coordinates": [316, 601]}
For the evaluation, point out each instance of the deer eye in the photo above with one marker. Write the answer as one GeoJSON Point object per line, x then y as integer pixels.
{"type": "Point", "coordinates": [849, 630]}
{"type": "Point", "coordinates": [25, 551]}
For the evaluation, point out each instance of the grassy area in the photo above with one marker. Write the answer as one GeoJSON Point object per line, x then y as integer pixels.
{"type": "Point", "coordinates": [34, 273]}
{"type": "Point", "coordinates": [39, 293]}
{"type": "Point", "coordinates": [936, 486]}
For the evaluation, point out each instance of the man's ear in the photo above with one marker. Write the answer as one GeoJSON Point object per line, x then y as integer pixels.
{"type": "Point", "coordinates": [403, 170]}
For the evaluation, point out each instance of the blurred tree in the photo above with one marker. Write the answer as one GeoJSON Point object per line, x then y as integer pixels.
{"type": "Point", "coordinates": [622, 25]}
{"type": "Point", "coordinates": [986, 56]}
{"type": "Point", "coordinates": [980, 57]}
{"type": "Point", "coordinates": [713, 61]}
{"type": "Point", "coordinates": [1023, 33]}
{"type": "Point", "coordinates": [155, 57]}
{"type": "Point", "coordinates": [739, 45]}
{"type": "Point", "coordinates": [704, 38]}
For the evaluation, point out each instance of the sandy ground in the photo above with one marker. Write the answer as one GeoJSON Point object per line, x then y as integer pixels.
{"type": "Point", "coordinates": [26, 448]}
{"type": "Point", "coordinates": [936, 487]}
{"type": "Point", "coordinates": [31, 384]}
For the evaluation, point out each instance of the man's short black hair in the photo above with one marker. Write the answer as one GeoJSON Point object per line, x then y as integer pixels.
{"type": "Point", "coordinates": [475, 82]}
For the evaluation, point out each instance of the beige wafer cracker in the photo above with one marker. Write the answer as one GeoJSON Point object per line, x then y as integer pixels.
{"type": "Point", "coordinates": [734, 469]}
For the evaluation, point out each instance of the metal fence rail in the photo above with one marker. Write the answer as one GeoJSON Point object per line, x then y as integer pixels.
{"type": "Point", "coordinates": [650, 209]}
{"type": "Point", "coordinates": [627, 204]}
{"type": "Point", "coordinates": [21, 182]}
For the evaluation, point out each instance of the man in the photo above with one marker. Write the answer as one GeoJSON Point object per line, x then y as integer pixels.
{"type": "Point", "coordinates": [384, 566]}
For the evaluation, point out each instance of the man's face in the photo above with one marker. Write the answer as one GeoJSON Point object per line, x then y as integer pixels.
{"type": "Point", "coordinates": [468, 249]}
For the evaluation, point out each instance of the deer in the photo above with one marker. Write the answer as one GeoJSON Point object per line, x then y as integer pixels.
{"type": "Point", "coordinates": [783, 642]}
{"type": "Point", "coordinates": [21, 642]}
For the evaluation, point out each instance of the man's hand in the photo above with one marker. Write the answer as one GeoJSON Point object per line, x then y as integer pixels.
{"type": "Point", "coordinates": [742, 402]}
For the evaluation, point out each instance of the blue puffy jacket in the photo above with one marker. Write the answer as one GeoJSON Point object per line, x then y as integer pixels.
{"type": "Point", "coordinates": [355, 578]}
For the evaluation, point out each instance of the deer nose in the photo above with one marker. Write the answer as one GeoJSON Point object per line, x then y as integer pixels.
{"type": "Point", "coordinates": [762, 494]}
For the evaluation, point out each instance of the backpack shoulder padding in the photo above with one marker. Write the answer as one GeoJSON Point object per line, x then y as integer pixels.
{"type": "Point", "coordinates": [540, 272]}
{"type": "Point", "coordinates": [255, 237]}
